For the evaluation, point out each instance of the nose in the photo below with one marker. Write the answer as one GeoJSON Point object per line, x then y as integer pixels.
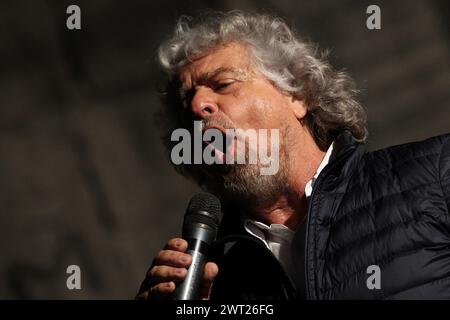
{"type": "Point", "coordinates": [203, 103]}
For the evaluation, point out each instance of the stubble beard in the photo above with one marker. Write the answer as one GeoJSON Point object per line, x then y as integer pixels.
{"type": "Point", "coordinates": [244, 186]}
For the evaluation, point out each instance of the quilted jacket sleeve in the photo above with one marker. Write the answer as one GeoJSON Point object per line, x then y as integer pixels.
{"type": "Point", "coordinates": [444, 170]}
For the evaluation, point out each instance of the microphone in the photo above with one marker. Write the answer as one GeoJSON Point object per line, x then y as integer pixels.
{"type": "Point", "coordinates": [200, 225]}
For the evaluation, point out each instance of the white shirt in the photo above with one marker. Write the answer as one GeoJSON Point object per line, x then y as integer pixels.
{"type": "Point", "coordinates": [278, 237]}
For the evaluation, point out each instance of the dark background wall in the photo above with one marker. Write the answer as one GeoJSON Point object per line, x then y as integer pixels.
{"type": "Point", "coordinates": [83, 177]}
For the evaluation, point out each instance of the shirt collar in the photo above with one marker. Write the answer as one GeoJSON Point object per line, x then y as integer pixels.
{"type": "Point", "coordinates": [256, 228]}
{"type": "Point", "coordinates": [310, 184]}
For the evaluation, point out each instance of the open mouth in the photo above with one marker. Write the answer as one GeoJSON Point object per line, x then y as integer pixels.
{"type": "Point", "coordinates": [223, 149]}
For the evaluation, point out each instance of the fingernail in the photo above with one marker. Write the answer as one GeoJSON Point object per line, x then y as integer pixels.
{"type": "Point", "coordinates": [177, 243]}
{"type": "Point", "coordinates": [184, 259]}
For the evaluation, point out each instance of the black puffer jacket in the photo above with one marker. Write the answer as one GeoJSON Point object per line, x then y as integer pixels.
{"type": "Point", "coordinates": [388, 208]}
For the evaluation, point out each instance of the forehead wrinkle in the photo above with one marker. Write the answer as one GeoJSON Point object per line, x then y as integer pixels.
{"type": "Point", "coordinates": [242, 67]}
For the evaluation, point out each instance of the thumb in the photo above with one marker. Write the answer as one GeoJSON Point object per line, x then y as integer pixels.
{"type": "Point", "coordinates": [210, 273]}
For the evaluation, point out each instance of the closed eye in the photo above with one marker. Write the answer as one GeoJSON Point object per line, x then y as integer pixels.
{"type": "Point", "coordinates": [223, 85]}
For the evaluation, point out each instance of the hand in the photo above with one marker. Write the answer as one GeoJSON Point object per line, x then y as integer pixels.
{"type": "Point", "coordinates": [170, 268]}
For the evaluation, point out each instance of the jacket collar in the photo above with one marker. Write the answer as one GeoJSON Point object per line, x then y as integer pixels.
{"type": "Point", "coordinates": [343, 144]}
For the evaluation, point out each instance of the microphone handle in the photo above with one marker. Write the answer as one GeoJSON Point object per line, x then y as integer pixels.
{"type": "Point", "coordinates": [189, 289]}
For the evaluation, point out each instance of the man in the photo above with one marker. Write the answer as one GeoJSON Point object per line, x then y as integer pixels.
{"type": "Point", "coordinates": [333, 214]}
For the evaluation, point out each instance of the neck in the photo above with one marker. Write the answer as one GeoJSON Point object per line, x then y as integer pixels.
{"type": "Point", "coordinates": [290, 208]}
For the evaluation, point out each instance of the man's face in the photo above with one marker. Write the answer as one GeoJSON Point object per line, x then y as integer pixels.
{"type": "Point", "coordinates": [223, 89]}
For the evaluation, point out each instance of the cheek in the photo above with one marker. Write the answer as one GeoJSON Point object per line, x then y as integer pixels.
{"type": "Point", "coordinates": [269, 111]}
{"type": "Point", "coordinates": [256, 109]}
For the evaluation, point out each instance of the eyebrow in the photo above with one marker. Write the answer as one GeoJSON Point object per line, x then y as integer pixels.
{"type": "Point", "coordinates": [208, 76]}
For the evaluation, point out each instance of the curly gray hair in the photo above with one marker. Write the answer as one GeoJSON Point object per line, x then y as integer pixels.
{"type": "Point", "coordinates": [293, 66]}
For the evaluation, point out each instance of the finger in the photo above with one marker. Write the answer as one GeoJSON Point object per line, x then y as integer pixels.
{"type": "Point", "coordinates": [142, 295]}
{"type": "Point", "coordinates": [161, 290]}
{"type": "Point", "coordinates": [176, 244]}
{"type": "Point", "coordinates": [205, 291]}
{"type": "Point", "coordinates": [173, 259]}
{"type": "Point", "coordinates": [210, 273]}
{"type": "Point", "coordinates": [145, 286]}
{"type": "Point", "coordinates": [159, 274]}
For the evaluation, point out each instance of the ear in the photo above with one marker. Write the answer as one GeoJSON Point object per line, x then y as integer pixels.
{"type": "Point", "coordinates": [298, 107]}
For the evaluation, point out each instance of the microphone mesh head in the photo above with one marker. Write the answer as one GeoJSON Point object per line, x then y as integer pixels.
{"type": "Point", "coordinates": [204, 208]}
